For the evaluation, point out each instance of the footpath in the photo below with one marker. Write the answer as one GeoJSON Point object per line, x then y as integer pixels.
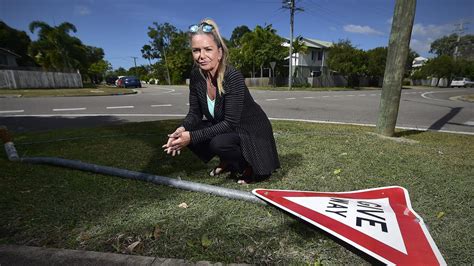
{"type": "Point", "coordinates": [38, 256]}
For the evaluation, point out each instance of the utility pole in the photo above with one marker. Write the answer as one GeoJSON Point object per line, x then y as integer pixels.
{"type": "Point", "coordinates": [459, 32]}
{"type": "Point", "coordinates": [398, 48]}
{"type": "Point", "coordinates": [135, 62]}
{"type": "Point", "coordinates": [290, 4]}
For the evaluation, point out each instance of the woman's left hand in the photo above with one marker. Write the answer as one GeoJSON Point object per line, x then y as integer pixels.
{"type": "Point", "coordinates": [182, 141]}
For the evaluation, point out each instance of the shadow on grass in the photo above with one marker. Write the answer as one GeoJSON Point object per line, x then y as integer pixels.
{"type": "Point", "coordinates": [407, 133]}
{"type": "Point", "coordinates": [38, 124]}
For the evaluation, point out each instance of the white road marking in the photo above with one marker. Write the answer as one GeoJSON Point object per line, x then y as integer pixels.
{"type": "Point", "coordinates": [11, 111]}
{"type": "Point", "coordinates": [121, 107]}
{"type": "Point", "coordinates": [350, 95]}
{"type": "Point", "coordinates": [160, 105]}
{"type": "Point", "coordinates": [425, 95]}
{"type": "Point", "coordinates": [361, 95]}
{"type": "Point", "coordinates": [290, 98]}
{"type": "Point", "coordinates": [86, 115]}
{"type": "Point", "coordinates": [326, 96]}
{"type": "Point", "coordinates": [310, 97]}
{"type": "Point", "coordinates": [69, 109]}
{"type": "Point", "coordinates": [368, 125]}
{"type": "Point", "coordinates": [271, 100]}
{"type": "Point", "coordinates": [187, 104]}
{"type": "Point", "coordinates": [177, 93]}
{"type": "Point", "coordinates": [373, 94]}
{"type": "Point", "coordinates": [469, 123]}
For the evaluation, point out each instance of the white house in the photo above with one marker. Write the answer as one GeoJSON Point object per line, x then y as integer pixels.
{"type": "Point", "coordinates": [418, 62]}
{"type": "Point", "coordinates": [313, 62]}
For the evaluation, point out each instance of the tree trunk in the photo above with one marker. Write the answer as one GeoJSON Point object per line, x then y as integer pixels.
{"type": "Point", "coordinates": [398, 49]}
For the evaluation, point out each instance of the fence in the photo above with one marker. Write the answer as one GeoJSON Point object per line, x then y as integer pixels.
{"type": "Point", "coordinates": [433, 82]}
{"type": "Point", "coordinates": [21, 79]}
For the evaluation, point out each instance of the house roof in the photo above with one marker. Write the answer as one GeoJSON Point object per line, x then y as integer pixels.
{"type": "Point", "coordinates": [8, 52]}
{"type": "Point", "coordinates": [311, 43]}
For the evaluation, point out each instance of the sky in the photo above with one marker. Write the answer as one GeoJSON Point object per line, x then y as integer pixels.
{"type": "Point", "coordinates": [120, 27]}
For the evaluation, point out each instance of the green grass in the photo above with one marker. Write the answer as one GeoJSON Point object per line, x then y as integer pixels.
{"type": "Point", "coordinates": [99, 91]}
{"type": "Point", "coordinates": [57, 207]}
{"type": "Point", "coordinates": [314, 89]}
{"type": "Point", "coordinates": [468, 98]}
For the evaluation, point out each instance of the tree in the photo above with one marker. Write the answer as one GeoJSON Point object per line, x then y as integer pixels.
{"type": "Point", "coordinates": [55, 49]}
{"type": "Point", "coordinates": [17, 42]}
{"type": "Point", "coordinates": [347, 60]}
{"type": "Point", "coordinates": [447, 45]}
{"type": "Point", "coordinates": [376, 60]}
{"type": "Point", "coordinates": [299, 47]}
{"type": "Point", "coordinates": [120, 71]}
{"type": "Point", "coordinates": [148, 53]}
{"type": "Point", "coordinates": [140, 72]}
{"type": "Point", "coordinates": [161, 37]}
{"type": "Point", "coordinates": [54, 46]}
{"type": "Point", "coordinates": [262, 46]}
{"type": "Point", "coordinates": [180, 60]}
{"type": "Point", "coordinates": [98, 69]}
{"type": "Point", "coordinates": [408, 66]}
{"type": "Point", "coordinates": [237, 35]}
{"type": "Point", "coordinates": [445, 66]}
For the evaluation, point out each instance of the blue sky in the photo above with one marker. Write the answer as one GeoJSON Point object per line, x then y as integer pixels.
{"type": "Point", "coordinates": [120, 27]}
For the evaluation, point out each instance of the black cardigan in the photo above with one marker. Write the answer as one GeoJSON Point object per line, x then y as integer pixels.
{"type": "Point", "coordinates": [234, 111]}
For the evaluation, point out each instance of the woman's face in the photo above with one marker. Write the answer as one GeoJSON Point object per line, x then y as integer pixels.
{"type": "Point", "coordinates": [205, 52]}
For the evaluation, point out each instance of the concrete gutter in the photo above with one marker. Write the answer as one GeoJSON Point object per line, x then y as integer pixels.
{"type": "Point", "coordinates": [25, 255]}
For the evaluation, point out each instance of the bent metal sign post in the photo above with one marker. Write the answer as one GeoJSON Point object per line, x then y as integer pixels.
{"type": "Point", "coordinates": [379, 221]}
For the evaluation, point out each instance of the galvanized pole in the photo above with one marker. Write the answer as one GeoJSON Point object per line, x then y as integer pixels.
{"type": "Point", "coordinates": [292, 16]}
{"type": "Point", "coordinates": [398, 49]}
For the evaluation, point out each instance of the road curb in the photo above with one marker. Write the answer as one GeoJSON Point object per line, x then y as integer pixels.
{"type": "Point", "coordinates": [26, 255]}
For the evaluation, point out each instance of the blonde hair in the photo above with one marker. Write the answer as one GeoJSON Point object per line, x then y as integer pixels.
{"type": "Point", "coordinates": [220, 44]}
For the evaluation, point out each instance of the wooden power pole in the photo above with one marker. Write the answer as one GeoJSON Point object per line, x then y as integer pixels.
{"type": "Point", "coordinates": [398, 48]}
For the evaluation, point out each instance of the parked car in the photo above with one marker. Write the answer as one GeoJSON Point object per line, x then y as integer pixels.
{"type": "Point", "coordinates": [119, 81]}
{"type": "Point", "coordinates": [129, 82]}
{"type": "Point", "coordinates": [462, 82]}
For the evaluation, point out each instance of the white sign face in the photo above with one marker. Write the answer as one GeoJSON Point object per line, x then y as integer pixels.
{"type": "Point", "coordinates": [377, 221]}
{"type": "Point", "coordinates": [373, 217]}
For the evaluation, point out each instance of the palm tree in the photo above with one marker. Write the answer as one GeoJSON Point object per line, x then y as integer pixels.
{"type": "Point", "coordinates": [299, 47]}
{"type": "Point", "coordinates": [55, 48]}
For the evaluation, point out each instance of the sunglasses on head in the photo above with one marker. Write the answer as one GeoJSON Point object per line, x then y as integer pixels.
{"type": "Point", "coordinates": [203, 26]}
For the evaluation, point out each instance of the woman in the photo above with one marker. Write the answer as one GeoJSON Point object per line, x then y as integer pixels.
{"type": "Point", "coordinates": [235, 129]}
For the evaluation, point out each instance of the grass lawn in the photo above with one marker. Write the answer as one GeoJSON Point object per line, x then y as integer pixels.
{"type": "Point", "coordinates": [269, 88]}
{"type": "Point", "coordinates": [57, 207]}
{"type": "Point", "coordinates": [66, 92]}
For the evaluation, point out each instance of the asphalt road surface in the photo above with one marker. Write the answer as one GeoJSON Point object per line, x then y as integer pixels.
{"type": "Point", "coordinates": [430, 108]}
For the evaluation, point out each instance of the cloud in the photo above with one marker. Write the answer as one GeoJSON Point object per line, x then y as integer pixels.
{"type": "Point", "coordinates": [431, 31]}
{"type": "Point", "coordinates": [424, 35]}
{"type": "Point", "coordinates": [422, 47]}
{"type": "Point", "coordinates": [82, 10]}
{"type": "Point", "coordinates": [361, 29]}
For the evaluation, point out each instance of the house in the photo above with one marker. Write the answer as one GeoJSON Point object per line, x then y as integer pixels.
{"type": "Point", "coordinates": [8, 58]}
{"type": "Point", "coordinates": [418, 62]}
{"type": "Point", "coordinates": [313, 62]}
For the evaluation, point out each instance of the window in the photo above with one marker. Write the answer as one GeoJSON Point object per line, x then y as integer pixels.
{"type": "Point", "coordinates": [320, 56]}
{"type": "Point", "coordinates": [312, 55]}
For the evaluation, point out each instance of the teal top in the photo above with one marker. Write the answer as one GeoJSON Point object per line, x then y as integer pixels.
{"type": "Point", "coordinates": [210, 105]}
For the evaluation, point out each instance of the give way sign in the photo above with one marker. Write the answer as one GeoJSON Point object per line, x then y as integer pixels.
{"type": "Point", "coordinates": [379, 221]}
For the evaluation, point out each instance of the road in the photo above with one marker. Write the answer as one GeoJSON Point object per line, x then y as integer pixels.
{"type": "Point", "coordinates": [434, 109]}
